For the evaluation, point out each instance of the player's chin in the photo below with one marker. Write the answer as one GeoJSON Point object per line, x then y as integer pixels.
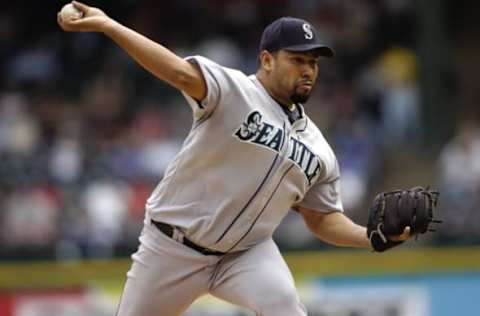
{"type": "Point", "coordinates": [300, 96]}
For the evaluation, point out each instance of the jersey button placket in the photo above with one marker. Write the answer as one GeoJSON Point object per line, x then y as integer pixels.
{"type": "Point", "coordinates": [266, 195]}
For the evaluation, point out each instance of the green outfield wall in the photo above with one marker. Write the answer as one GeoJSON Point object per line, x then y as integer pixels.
{"type": "Point", "coordinates": [303, 264]}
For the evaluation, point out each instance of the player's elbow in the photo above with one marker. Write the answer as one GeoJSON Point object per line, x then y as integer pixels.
{"type": "Point", "coordinates": [312, 218]}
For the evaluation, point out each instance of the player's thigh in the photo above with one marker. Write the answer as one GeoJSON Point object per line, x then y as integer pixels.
{"type": "Point", "coordinates": [259, 279]}
{"type": "Point", "coordinates": [163, 281]}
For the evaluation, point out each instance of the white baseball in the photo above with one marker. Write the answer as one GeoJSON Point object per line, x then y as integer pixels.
{"type": "Point", "coordinates": [70, 13]}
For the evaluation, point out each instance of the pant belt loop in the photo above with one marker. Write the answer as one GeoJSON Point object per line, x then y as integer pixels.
{"type": "Point", "coordinates": [178, 235]}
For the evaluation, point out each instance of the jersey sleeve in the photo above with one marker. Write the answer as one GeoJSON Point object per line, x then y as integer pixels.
{"type": "Point", "coordinates": [324, 196]}
{"type": "Point", "coordinates": [217, 81]}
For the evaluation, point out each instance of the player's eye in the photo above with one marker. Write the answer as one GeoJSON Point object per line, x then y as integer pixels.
{"type": "Point", "coordinates": [298, 60]}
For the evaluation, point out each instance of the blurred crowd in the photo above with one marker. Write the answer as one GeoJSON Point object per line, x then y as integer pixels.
{"type": "Point", "coordinates": [86, 134]}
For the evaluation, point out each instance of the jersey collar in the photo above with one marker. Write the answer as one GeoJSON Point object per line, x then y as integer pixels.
{"type": "Point", "coordinates": [301, 123]}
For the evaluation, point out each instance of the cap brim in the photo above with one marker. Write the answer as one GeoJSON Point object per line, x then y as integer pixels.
{"type": "Point", "coordinates": [322, 50]}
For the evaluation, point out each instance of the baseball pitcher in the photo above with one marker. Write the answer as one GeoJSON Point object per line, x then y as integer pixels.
{"type": "Point", "coordinates": [252, 155]}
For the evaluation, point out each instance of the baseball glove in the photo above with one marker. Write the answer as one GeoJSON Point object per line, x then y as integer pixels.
{"type": "Point", "coordinates": [392, 211]}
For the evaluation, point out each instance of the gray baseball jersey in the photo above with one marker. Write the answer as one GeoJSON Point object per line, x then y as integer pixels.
{"type": "Point", "coordinates": [243, 166]}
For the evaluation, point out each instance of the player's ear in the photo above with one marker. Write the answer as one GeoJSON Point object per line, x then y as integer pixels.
{"type": "Point", "coordinates": [266, 60]}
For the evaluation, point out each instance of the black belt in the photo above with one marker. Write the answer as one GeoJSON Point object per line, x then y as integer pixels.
{"type": "Point", "coordinates": [168, 230]}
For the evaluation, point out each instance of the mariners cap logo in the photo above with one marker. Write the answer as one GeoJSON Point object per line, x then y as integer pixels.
{"type": "Point", "coordinates": [307, 28]}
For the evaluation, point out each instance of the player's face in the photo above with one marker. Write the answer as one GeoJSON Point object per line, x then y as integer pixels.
{"type": "Point", "coordinates": [295, 75]}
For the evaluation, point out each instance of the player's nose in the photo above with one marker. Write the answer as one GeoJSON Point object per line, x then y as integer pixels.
{"type": "Point", "coordinates": [307, 72]}
{"type": "Point", "coordinates": [307, 75]}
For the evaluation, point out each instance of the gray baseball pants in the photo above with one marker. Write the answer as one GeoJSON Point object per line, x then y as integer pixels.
{"type": "Point", "coordinates": [166, 277]}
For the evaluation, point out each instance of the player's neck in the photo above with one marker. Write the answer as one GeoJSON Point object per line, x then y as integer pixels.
{"type": "Point", "coordinates": [286, 104]}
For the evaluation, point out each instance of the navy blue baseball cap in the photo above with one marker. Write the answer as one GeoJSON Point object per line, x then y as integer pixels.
{"type": "Point", "coordinates": [295, 35]}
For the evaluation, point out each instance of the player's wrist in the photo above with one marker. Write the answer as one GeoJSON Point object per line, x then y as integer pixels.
{"type": "Point", "coordinates": [109, 26]}
{"type": "Point", "coordinates": [366, 242]}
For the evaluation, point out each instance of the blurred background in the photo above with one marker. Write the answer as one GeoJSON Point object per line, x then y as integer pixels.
{"type": "Point", "coordinates": [86, 134]}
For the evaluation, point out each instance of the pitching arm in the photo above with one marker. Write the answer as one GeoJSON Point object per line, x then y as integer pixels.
{"type": "Point", "coordinates": [152, 56]}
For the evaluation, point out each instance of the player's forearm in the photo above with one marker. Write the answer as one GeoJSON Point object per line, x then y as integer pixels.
{"type": "Point", "coordinates": [152, 56]}
{"type": "Point", "coordinates": [337, 229]}
{"type": "Point", "coordinates": [341, 231]}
